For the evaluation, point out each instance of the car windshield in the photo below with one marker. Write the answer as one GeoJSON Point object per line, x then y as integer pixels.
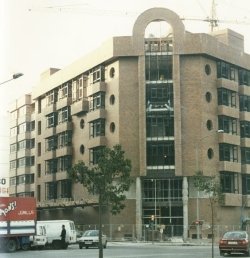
{"type": "Point", "coordinates": [91, 233]}
{"type": "Point", "coordinates": [235, 235]}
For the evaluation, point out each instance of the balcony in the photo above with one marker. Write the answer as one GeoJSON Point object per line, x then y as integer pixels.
{"type": "Point", "coordinates": [65, 126]}
{"type": "Point", "coordinates": [64, 151]}
{"type": "Point", "coordinates": [229, 138]}
{"type": "Point", "coordinates": [49, 109]}
{"type": "Point", "coordinates": [79, 107]}
{"type": "Point", "coordinates": [228, 111]}
{"type": "Point", "coordinates": [65, 102]}
{"type": "Point", "coordinates": [96, 87]}
{"type": "Point", "coordinates": [230, 166]}
{"type": "Point", "coordinates": [232, 199]}
{"type": "Point", "coordinates": [96, 114]}
{"type": "Point", "coordinates": [227, 84]}
{"type": "Point", "coordinates": [97, 141]}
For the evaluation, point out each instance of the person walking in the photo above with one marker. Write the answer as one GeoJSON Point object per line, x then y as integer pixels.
{"type": "Point", "coordinates": [63, 236]}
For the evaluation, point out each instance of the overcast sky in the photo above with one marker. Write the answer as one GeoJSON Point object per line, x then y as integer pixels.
{"type": "Point", "coordinates": [38, 34]}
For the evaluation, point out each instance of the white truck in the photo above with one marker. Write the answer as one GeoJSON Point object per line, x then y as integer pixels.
{"type": "Point", "coordinates": [53, 233]}
{"type": "Point", "coordinates": [39, 240]}
{"type": "Point", "coordinates": [17, 222]}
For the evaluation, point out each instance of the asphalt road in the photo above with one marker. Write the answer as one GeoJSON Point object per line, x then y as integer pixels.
{"type": "Point", "coordinates": [124, 250]}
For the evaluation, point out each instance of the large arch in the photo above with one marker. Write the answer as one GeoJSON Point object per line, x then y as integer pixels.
{"type": "Point", "coordinates": [158, 14]}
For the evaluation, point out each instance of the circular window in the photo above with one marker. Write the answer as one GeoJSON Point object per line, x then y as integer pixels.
{"type": "Point", "coordinates": [209, 125]}
{"type": "Point", "coordinates": [207, 69]}
{"type": "Point", "coordinates": [82, 149]}
{"type": "Point", "coordinates": [82, 123]}
{"type": "Point", "coordinates": [112, 72]}
{"type": "Point", "coordinates": [210, 153]}
{"type": "Point", "coordinates": [208, 96]}
{"type": "Point", "coordinates": [112, 127]}
{"type": "Point", "coordinates": [112, 100]}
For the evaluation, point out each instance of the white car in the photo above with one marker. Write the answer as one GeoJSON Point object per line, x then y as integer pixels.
{"type": "Point", "coordinates": [90, 238]}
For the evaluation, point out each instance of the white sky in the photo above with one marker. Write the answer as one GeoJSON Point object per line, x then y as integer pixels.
{"type": "Point", "coordinates": [38, 34]}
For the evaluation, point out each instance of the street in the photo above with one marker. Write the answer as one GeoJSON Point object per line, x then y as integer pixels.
{"type": "Point", "coordinates": [124, 250]}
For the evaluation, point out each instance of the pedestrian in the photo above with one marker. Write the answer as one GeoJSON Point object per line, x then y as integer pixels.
{"type": "Point", "coordinates": [63, 235]}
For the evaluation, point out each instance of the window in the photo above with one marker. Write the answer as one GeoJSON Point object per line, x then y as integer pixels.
{"type": "Point", "coordinates": [210, 153]}
{"type": "Point", "coordinates": [97, 128]}
{"type": "Point", "coordinates": [51, 143]}
{"type": "Point", "coordinates": [207, 69]}
{"type": "Point", "coordinates": [13, 164]}
{"type": "Point", "coordinates": [112, 127]}
{"type": "Point", "coordinates": [229, 182]}
{"type": "Point", "coordinates": [159, 67]}
{"type": "Point", "coordinates": [228, 152]}
{"type": "Point", "coordinates": [97, 101]}
{"type": "Point", "coordinates": [25, 179]}
{"type": "Point", "coordinates": [226, 70]}
{"type": "Point", "coordinates": [82, 149]}
{"type": "Point", "coordinates": [51, 98]}
{"type": "Point", "coordinates": [244, 77]}
{"type": "Point", "coordinates": [112, 72]}
{"type": "Point", "coordinates": [244, 129]}
{"type": "Point", "coordinates": [13, 147]}
{"type": "Point", "coordinates": [82, 123]}
{"type": "Point", "coordinates": [112, 100]}
{"type": "Point", "coordinates": [26, 161]}
{"type": "Point", "coordinates": [227, 124]}
{"type": "Point", "coordinates": [98, 74]}
{"type": "Point", "coordinates": [226, 97]}
{"type": "Point", "coordinates": [208, 96]}
{"type": "Point", "coordinates": [64, 139]}
{"type": "Point", "coordinates": [65, 187]}
{"type": "Point", "coordinates": [159, 97]}
{"type": "Point", "coordinates": [39, 126]}
{"type": "Point", "coordinates": [64, 162]}
{"type": "Point", "coordinates": [245, 103]}
{"type": "Point", "coordinates": [52, 120]}
{"type": "Point", "coordinates": [95, 154]}
{"type": "Point", "coordinates": [65, 91]}
{"type": "Point", "coordinates": [64, 115]}
{"type": "Point", "coordinates": [160, 153]}
{"type": "Point", "coordinates": [162, 190]}
{"type": "Point", "coordinates": [51, 166]}
{"type": "Point", "coordinates": [13, 131]}
{"type": "Point", "coordinates": [245, 155]}
{"type": "Point", "coordinates": [245, 184]}
{"type": "Point", "coordinates": [51, 190]}
{"type": "Point", "coordinates": [160, 125]}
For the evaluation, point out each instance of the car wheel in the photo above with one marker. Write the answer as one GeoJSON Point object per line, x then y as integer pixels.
{"type": "Point", "coordinates": [221, 253]}
{"type": "Point", "coordinates": [80, 246]}
{"type": "Point", "coordinates": [86, 247]}
{"type": "Point", "coordinates": [247, 253]}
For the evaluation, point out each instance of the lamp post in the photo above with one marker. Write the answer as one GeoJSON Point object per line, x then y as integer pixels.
{"type": "Point", "coordinates": [198, 193]}
{"type": "Point", "coordinates": [14, 76]}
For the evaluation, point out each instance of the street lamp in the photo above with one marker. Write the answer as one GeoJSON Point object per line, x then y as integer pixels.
{"type": "Point", "coordinates": [15, 76]}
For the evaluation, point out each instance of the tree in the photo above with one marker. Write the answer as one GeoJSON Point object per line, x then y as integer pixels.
{"type": "Point", "coordinates": [109, 178]}
{"type": "Point", "coordinates": [211, 187]}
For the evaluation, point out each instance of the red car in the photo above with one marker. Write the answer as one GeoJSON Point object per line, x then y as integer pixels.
{"type": "Point", "coordinates": [234, 242]}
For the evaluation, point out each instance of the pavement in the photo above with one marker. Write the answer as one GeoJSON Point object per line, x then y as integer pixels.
{"type": "Point", "coordinates": [171, 241]}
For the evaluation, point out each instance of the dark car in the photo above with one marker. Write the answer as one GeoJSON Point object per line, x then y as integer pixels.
{"type": "Point", "coordinates": [234, 242]}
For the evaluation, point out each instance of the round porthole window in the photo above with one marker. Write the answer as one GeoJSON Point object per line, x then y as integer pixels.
{"type": "Point", "coordinates": [112, 127]}
{"type": "Point", "coordinates": [112, 100]}
{"type": "Point", "coordinates": [210, 153]}
{"type": "Point", "coordinates": [207, 69]}
{"type": "Point", "coordinates": [208, 96]}
{"type": "Point", "coordinates": [82, 123]}
{"type": "Point", "coordinates": [209, 125]}
{"type": "Point", "coordinates": [112, 72]}
{"type": "Point", "coordinates": [82, 149]}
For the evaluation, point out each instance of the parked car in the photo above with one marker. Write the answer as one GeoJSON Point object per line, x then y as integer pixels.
{"type": "Point", "coordinates": [234, 242]}
{"type": "Point", "coordinates": [90, 238]}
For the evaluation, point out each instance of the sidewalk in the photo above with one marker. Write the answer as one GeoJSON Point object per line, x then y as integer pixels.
{"type": "Point", "coordinates": [172, 241]}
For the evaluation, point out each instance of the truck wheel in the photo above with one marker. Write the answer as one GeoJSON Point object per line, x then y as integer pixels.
{"type": "Point", "coordinates": [25, 247]}
{"type": "Point", "coordinates": [11, 245]}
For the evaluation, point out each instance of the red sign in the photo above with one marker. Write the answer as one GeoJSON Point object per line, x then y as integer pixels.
{"type": "Point", "coordinates": [17, 208]}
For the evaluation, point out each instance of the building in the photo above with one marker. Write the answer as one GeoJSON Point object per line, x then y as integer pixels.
{"type": "Point", "coordinates": [177, 103]}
